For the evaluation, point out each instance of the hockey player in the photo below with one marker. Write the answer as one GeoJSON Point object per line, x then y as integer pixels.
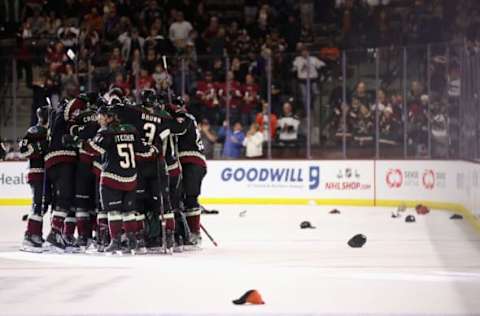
{"type": "Point", "coordinates": [2, 151]}
{"type": "Point", "coordinates": [33, 147]}
{"type": "Point", "coordinates": [85, 127]}
{"type": "Point", "coordinates": [154, 125]}
{"type": "Point", "coordinates": [193, 168]}
{"type": "Point", "coordinates": [118, 145]}
{"type": "Point", "coordinates": [60, 167]}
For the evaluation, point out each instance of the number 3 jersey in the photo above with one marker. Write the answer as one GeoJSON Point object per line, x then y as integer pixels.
{"type": "Point", "coordinates": [118, 145]}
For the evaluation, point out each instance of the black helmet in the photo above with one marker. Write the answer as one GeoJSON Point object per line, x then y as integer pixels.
{"type": "Point", "coordinates": [178, 101]}
{"type": "Point", "coordinates": [88, 97]}
{"type": "Point", "coordinates": [101, 101]}
{"type": "Point", "coordinates": [42, 114]}
{"type": "Point", "coordinates": [105, 110]}
{"type": "Point", "coordinates": [116, 91]}
{"type": "Point", "coordinates": [149, 97]}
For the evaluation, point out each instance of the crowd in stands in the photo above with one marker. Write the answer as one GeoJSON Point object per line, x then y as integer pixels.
{"type": "Point", "coordinates": [98, 45]}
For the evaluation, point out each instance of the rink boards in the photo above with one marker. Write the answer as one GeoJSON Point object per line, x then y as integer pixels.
{"type": "Point", "coordinates": [450, 185]}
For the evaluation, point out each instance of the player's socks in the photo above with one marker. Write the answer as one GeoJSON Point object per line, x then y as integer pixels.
{"type": "Point", "coordinates": [129, 222]}
{"type": "Point", "coordinates": [83, 227]}
{"type": "Point", "coordinates": [34, 225]}
{"type": "Point", "coordinates": [58, 218]}
{"type": "Point", "coordinates": [115, 224]}
{"type": "Point", "coordinates": [193, 219]}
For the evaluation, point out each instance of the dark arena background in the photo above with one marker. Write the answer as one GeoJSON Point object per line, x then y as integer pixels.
{"type": "Point", "coordinates": [239, 157]}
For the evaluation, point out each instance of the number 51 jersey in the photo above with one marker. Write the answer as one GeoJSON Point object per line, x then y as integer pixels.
{"type": "Point", "coordinates": [118, 144]}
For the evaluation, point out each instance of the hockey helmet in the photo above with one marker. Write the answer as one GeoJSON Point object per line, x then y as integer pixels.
{"type": "Point", "coordinates": [42, 114]}
{"type": "Point", "coordinates": [149, 97]}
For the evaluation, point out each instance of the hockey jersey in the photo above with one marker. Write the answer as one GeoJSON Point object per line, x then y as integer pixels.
{"type": "Point", "coordinates": [118, 145]}
{"type": "Point", "coordinates": [33, 147]}
{"type": "Point", "coordinates": [190, 145]}
{"type": "Point", "coordinates": [59, 125]}
{"type": "Point", "coordinates": [85, 127]}
{"type": "Point", "coordinates": [153, 125]}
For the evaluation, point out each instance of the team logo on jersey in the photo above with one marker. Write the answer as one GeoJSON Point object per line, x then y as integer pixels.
{"type": "Point", "coordinates": [394, 178]}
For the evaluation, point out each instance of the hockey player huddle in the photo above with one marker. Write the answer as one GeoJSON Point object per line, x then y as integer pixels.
{"type": "Point", "coordinates": [126, 177]}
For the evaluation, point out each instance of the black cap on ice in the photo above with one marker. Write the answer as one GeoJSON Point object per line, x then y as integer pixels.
{"type": "Point", "coordinates": [357, 241]}
{"type": "Point", "coordinates": [410, 219]}
{"type": "Point", "coordinates": [306, 224]}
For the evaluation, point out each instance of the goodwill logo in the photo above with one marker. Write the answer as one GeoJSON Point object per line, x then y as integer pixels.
{"type": "Point", "coordinates": [280, 177]}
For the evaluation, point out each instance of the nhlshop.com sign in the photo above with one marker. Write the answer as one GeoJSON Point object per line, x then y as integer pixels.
{"type": "Point", "coordinates": [285, 179]}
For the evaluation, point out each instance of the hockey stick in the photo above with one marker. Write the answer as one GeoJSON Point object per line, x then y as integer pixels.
{"type": "Point", "coordinates": [209, 236]}
{"type": "Point", "coordinates": [165, 66]}
{"type": "Point", "coordinates": [45, 178]}
{"type": "Point", "coordinates": [163, 222]}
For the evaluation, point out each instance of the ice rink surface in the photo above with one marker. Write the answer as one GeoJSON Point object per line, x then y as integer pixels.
{"type": "Point", "coordinates": [429, 267]}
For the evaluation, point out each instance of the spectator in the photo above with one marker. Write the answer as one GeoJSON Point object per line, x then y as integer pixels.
{"type": "Point", "coordinates": [120, 82]}
{"type": "Point", "coordinates": [263, 119]}
{"type": "Point", "coordinates": [307, 66]}
{"type": "Point", "coordinates": [179, 31]}
{"type": "Point", "coordinates": [131, 41]}
{"type": "Point", "coordinates": [291, 31]}
{"type": "Point", "coordinates": [69, 34]}
{"type": "Point", "coordinates": [93, 20]}
{"type": "Point", "coordinates": [362, 95]}
{"type": "Point", "coordinates": [162, 79]}
{"type": "Point", "coordinates": [253, 142]}
{"type": "Point", "coordinates": [251, 97]}
{"type": "Point", "coordinates": [233, 97]}
{"type": "Point", "coordinates": [288, 126]}
{"type": "Point", "coordinates": [208, 97]}
{"type": "Point", "coordinates": [232, 148]}
{"type": "Point", "coordinates": [209, 138]}
{"type": "Point", "coordinates": [69, 77]}
{"type": "Point", "coordinates": [145, 80]}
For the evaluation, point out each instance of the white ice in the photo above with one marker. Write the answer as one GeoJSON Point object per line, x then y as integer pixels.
{"type": "Point", "coordinates": [428, 267]}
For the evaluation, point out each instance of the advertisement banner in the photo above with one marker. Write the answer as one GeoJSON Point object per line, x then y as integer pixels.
{"type": "Point", "coordinates": [418, 180]}
{"type": "Point", "coordinates": [13, 180]}
{"type": "Point", "coordinates": [289, 179]}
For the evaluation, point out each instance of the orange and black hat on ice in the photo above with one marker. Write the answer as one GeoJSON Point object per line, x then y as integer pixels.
{"type": "Point", "coordinates": [250, 297]}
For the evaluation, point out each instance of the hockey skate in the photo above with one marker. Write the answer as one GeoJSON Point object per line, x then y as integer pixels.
{"type": "Point", "coordinates": [170, 242]}
{"type": "Point", "coordinates": [194, 243]}
{"type": "Point", "coordinates": [71, 244]}
{"type": "Point", "coordinates": [178, 246]}
{"type": "Point", "coordinates": [131, 244]}
{"type": "Point", "coordinates": [114, 248]}
{"type": "Point", "coordinates": [84, 243]}
{"type": "Point", "coordinates": [141, 246]}
{"type": "Point", "coordinates": [32, 243]}
{"type": "Point", "coordinates": [55, 242]}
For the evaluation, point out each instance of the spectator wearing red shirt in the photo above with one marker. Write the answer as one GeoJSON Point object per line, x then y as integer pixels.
{"type": "Point", "coordinates": [207, 94]}
{"type": "Point", "coordinates": [262, 120]}
{"type": "Point", "coordinates": [122, 83]}
{"type": "Point", "coordinates": [145, 80]}
{"type": "Point", "coordinates": [250, 100]}
{"type": "Point", "coordinates": [56, 56]}
{"type": "Point", "coordinates": [233, 98]}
